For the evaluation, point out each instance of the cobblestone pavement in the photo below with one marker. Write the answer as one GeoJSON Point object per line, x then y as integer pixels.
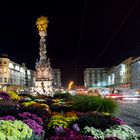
{"type": "Point", "coordinates": [130, 112]}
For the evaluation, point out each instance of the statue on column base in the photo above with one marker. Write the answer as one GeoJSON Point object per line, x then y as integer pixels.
{"type": "Point", "coordinates": [43, 73]}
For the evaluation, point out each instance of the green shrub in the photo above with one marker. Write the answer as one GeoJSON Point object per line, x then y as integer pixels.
{"type": "Point", "coordinates": [108, 105]}
{"type": "Point", "coordinates": [82, 103]}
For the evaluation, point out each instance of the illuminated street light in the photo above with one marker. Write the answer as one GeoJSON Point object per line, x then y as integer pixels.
{"type": "Point", "coordinates": [70, 85]}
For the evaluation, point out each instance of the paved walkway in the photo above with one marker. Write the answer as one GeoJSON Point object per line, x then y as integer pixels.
{"type": "Point", "coordinates": [130, 112]}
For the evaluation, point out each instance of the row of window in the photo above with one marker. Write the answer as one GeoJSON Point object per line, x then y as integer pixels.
{"type": "Point", "coordinates": [136, 77]}
{"type": "Point", "coordinates": [5, 80]}
{"type": "Point", "coordinates": [116, 81]}
{"type": "Point", "coordinates": [5, 70]}
{"type": "Point", "coordinates": [14, 73]}
{"type": "Point", "coordinates": [96, 84]}
{"type": "Point", "coordinates": [3, 62]}
{"type": "Point", "coordinates": [135, 84]}
{"type": "Point", "coordinates": [99, 73]}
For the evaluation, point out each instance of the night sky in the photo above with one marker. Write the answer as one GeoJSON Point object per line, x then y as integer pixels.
{"type": "Point", "coordinates": [81, 33]}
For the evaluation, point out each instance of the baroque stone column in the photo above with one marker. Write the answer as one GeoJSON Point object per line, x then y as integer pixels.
{"type": "Point", "coordinates": [43, 73]}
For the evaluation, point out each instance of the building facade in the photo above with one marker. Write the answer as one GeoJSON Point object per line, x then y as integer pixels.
{"type": "Point", "coordinates": [14, 76]}
{"type": "Point", "coordinates": [135, 66]}
{"type": "Point", "coordinates": [118, 76]}
{"type": "Point", "coordinates": [123, 76]}
{"type": "Point", "coordinates": [95, 77]}
{"type": "Point", "coordinates": [57, 78]}
{"type": "Point", "coordinates": [126, 73]}
{"type": "Point", "coordinates": [111, 77]}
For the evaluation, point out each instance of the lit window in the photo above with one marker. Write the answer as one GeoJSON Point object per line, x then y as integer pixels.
{"type": "Point", "coordinates": [5, 74]}
{"type": "Point", "coordinates": [21, 70]}
{"type": "Point", "coordinates": [17, 68]}
{"type": "Point", "coordinates": [11, 65]}
{"type": "Point", "coordinates": [5, 70]}
{"type": "Point", "coordinates": [28, 72]}
{"type": "Point", "coordinates": [5, 79]}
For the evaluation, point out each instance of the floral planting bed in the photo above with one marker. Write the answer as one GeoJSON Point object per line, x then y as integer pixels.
{"type": "Point", "coordinates": [42, 118]}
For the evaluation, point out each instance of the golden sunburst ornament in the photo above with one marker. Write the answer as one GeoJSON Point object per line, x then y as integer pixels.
{"type": "Point", "coordinates": [42, 23]}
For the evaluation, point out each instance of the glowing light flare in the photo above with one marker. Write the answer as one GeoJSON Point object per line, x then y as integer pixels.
{"type": "Point", "coordinates": [70, 85]}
